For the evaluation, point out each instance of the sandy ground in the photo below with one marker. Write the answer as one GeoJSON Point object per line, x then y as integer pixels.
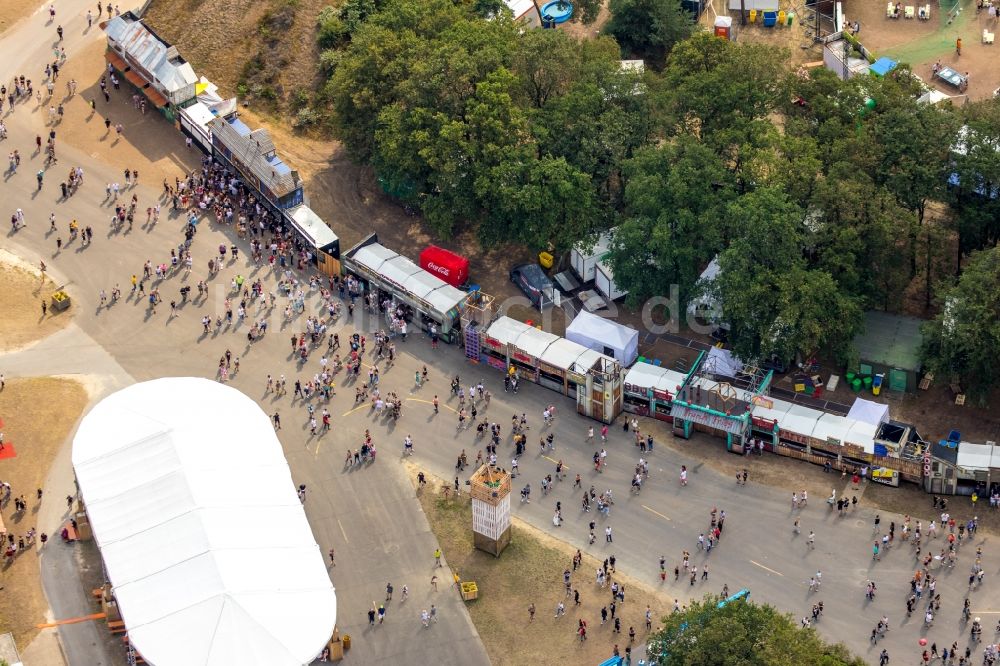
{"type": "Point", "coordinates": [38, 415]}
{"type": "Point", "coordinates": [530, 571]}
{"type": "Point", "coordinates": [922, 43]}
{"type": "Point", "coordinates": [15, 10]}
{"type": "Point", "coordinates": [21, 293]}
{"type": "Point", "coordinates": [149, 143]}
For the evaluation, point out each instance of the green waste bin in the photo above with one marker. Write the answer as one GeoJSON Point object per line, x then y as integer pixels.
{"type": "Point", "coordinates": [868, 382]}
{"type": "Point", "coordinates": [791, 15]}
{"type": "Point", "coordinates": [850, 377]}
{"type": "Point", "coordinates": [856, 385]}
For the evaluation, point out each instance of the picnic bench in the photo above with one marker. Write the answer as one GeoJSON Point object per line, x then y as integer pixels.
{"type": "Point", "coordinates": [117, 627]}
{"type": "Point", "coordinates": [925, 383]}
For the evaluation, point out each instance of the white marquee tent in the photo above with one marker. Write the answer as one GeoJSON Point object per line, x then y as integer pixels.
{"type": "Point", "coordinates": [605, 336]}
{"type": "Point", "coordinates": [203, 537]}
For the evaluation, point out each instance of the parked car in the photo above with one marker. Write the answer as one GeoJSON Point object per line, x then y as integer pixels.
{"type": "Point", "coordinates": [533, 281]}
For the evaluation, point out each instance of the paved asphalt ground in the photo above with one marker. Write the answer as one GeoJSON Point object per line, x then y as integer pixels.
{"type": "Point", "coordinates": [370, 515]}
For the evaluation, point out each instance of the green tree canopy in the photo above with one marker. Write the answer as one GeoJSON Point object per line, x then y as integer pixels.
{"type": "Point", "coordinates": [675, 196]}
{"type": "Point", "coordinates": [773, 301]}
{"type": "Point", "coordinates": [964, 338]}
{"type": "Point", "coordinates": [649, 29]}
{"type": "Point", "coordinates": [741, 633]}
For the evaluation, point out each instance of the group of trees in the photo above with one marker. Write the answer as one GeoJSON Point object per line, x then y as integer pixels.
{"type": "Point", "coordinates": [740, 633]}
{"type": "Point", "coordinates": [820, 198]}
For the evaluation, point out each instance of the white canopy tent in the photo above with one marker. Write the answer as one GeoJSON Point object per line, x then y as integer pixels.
{"type": "Point", "coordinates": [605, 336]}
{"type": "Point", "coordinates": [203, 537]}
{"type": "Point", "coordinates": [867, 411]}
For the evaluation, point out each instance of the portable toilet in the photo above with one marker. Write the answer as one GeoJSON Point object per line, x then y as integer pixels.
{"type": "Point", "coordinates": [724, 27]}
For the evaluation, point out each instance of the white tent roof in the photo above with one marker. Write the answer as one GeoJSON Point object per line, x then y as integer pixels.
{"type": "Point", "coordinates": [156, 57]}
{"type": "Point", "coordinates": [180, 476]}
{"type": "Point", "coordinates": [534, 342]}
{"type": "Point", "coordinates": [646, 376]}
{"type": "Point", "coordinates": [409, 277]}
{"type": "Point", "coordinates": [869, 412]}
{"type": "Point", "coordinates": [800, 420]}
{"type": "Point", "coordinates": [722, 362]}
{"type": "Point", "coordinates": [312, 226]}
{"type": "Point", "coordinates": [979, 457]}
{"type": "Point", "coordinates": [862, 434]}
{"type": "Point", "coordinates": [596, 332]}
{"type": "Point", "coordinates": [588, 359]}
{"type": "Point", "coordinates": [706, 278]}
{"type": "Point", "coordinates": [932, 97]}
{"type": "Point", "coordinates": [520, 7]}
{"type": "Point", "coordinates": [562, 353]}
{"type": "Point", "coordinates": [776, 412]}
{"type": "Point", "coordinates": [831, 426]}
{"type": "Point", "coordinates": [505, 330]}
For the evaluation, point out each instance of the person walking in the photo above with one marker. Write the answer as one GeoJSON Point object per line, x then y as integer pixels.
{"type": "Point", "coordinates": [607, 534]}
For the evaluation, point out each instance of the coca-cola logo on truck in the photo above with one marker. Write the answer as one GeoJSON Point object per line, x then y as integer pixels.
{"type": "Point", "coordinates": [439, 269]}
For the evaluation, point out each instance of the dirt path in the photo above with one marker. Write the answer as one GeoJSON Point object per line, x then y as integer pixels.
{"type": "Point", "coordinates": [148, 142]}
{"type": "Point", "coordinates": [38, 414]}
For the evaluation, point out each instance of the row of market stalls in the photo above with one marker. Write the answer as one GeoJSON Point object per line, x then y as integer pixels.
{"type": "Point", "coordinates": [156, 69]}
{"type": "Point", "coordinates": [739, 409]}
{"type": "Point", "coordinates": [204, 541]}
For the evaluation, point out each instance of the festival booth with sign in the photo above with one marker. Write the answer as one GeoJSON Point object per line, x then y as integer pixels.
{"type": "Point", "coordinates": [556, 363]}
{"type": "Point", "coordinates": [406, 283]}
{"type": "Point", "coordinates": [717, 397]}
{"type": "Point", "coordinates": [810, 434]}
{"type": "Point", "coordinates": [323, 242]}
{"type": "Point", "coordinates": [649, 390]}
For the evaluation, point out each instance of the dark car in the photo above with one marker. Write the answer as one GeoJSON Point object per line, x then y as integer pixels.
{"type": "Point", "coordinates": [535, 284]}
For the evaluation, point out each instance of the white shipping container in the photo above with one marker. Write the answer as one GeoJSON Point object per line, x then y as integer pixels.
{"type": "Point", "coordinates": [583, 261]}
{"type": "Point", "coordinates": [604, 282]}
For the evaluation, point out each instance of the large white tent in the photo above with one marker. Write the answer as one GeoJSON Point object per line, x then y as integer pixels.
{"type": "Point", "coordinates": [203, 537]}
{"type": "Point", "coordinates": [605, 336]}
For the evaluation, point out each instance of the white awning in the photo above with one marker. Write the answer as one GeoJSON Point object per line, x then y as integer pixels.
{"type": "Point", "coordinates": [312, 226]}
{"type": "Point", "coordinates": [647, 376]}
{"type": "Point", "coordinates": [534, 342]}
{"type": "Point", "coordinates": [562, 353]}
{"type": "Point", "coordinates": [800, 420]}
{"type": "Point", "coordinates": [978, 457]}
{"type": "Point", "coordinates": [203, 537]}
{"type": "Point", "coordinates": [831, 426]}
{"type": "Point", "coordinates": [505, 330]}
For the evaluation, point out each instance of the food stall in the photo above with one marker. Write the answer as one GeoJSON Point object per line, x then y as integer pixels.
{"type": "Point", "coordinates": [426, 295]}
{"type": "Point", "coordinates": [322, 241]}
{"type": "Point", "coordinates": [526, 351]}
{"type": "Point", "coordinates": [649, 390]}
{"type": "Point", "coordinates": [595, 380]}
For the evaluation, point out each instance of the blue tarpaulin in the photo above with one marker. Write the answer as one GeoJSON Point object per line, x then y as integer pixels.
{"type": "Point", "coordinates": [882, 66]}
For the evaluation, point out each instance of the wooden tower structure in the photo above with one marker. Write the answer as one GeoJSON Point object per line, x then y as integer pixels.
{"type": "Point", "coordinates": [490, 490]}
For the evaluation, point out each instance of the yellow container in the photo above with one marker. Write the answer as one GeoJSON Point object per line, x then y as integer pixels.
{"type": "Point", "coordinates": [781, 17]}
{"type": "Point", "coordinates": [546, 259]}
{"type": "Point", "coordinates": [470, 591]}
{"type": "Point", "coordinates": [347, 641]}
{"type": "Point", "coordinates": [753, 15]}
